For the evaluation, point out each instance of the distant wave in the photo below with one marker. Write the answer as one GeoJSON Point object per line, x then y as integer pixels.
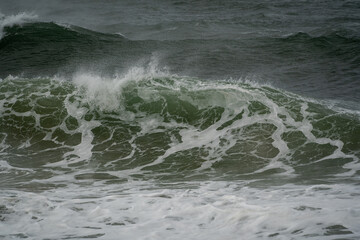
{"type": "Point", "coordinates": [342, 44]}
{"type": "Point", "coordinates": [332, 38]}
{"type": "Point", "coordinates": [32, 45]}
{"type": "Point", "coordinates": [50, 31]}
{"type": "Point", "coordinates": [52, 44]}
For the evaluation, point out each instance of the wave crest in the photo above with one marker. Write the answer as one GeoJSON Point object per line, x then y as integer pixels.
{"type": "Point", "coordinates": [18, 19]}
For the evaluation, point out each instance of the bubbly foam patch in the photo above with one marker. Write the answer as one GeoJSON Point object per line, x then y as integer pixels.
{"type": "Point", "coordinates": [210, 210]}
{"type": "Point", "coordinates": [106, 93]}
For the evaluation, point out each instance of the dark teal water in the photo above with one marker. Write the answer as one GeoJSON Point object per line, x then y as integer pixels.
{"type": "Point", "coordinates": [179, 119]}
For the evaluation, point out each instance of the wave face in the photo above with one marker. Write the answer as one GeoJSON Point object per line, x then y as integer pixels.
{"type": "Point", "coordinates": [172, 128]}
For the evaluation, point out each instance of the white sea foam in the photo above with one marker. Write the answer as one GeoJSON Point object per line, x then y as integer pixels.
{"type": "Point", "coordinates": [18, 19]}
{"type": "Point", "coordinates": [106, 93]}
{"type": "Point", "coordinates": [208, 210]}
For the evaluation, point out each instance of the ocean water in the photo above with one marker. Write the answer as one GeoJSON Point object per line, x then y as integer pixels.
{"type": "Point", "coordinates": [179, 119]}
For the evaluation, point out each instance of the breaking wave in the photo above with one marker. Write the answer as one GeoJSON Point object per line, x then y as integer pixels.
{"type": "Point", "coordinates": [147, 121]}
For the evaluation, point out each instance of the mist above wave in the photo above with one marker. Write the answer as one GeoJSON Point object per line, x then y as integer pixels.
{"type": "Point", "coordinates": [11, 20]}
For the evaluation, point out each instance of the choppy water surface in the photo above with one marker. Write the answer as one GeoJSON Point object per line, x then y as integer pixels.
{"type": "Point", "coordinates": [179, 120]}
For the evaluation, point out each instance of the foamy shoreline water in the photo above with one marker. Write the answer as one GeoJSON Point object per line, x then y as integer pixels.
{"type": "Point", "coordinates": [213, 210]}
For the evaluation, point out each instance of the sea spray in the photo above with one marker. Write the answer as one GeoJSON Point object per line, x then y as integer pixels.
{"type": "Point", "coordinates": [11, 20]}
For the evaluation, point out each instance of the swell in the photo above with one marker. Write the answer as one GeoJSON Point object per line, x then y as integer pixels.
{"type": "Point", "coordinates": [27, 48]}
{"type": "Point", "coordinates": [336, 43]}
{"type": "Point", "coordinates": [42, 48]}
{"type": "Point", "coordinates": [38, 33]}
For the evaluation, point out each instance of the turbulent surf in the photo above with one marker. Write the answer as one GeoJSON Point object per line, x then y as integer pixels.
{"type": "Point", "coordinates": [179, 129]}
